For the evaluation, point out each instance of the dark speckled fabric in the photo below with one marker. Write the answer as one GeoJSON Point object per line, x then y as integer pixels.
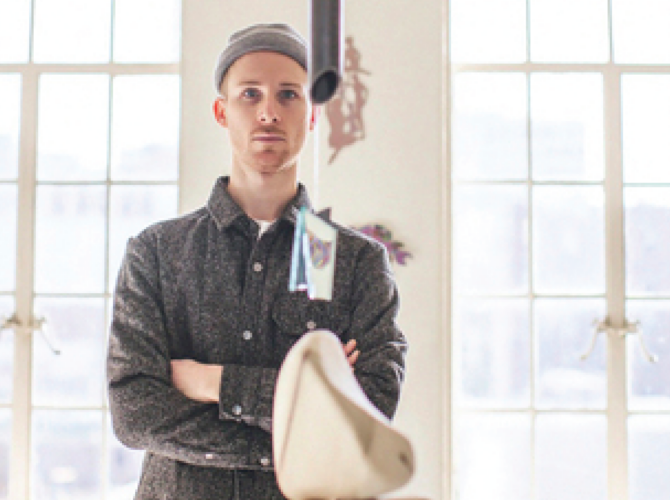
{"type": "Point", "coordinates": [204, 287]}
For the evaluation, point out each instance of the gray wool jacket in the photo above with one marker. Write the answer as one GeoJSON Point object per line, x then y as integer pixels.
{"type": "Point", "coordinates": [204, 287]}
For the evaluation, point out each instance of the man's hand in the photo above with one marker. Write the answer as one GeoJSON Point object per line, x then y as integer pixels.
{"type": "Point", "coordinates": [197, 381]}
{"type": "Point", "coordinates": [352, 355]}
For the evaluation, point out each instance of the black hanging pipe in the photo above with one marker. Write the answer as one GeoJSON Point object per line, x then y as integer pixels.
{"type": "Point", "coordinates": [325, 70]}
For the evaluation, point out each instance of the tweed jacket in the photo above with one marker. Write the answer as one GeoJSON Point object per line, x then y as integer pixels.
{"type": "Point", "coordinates": [204, 287]}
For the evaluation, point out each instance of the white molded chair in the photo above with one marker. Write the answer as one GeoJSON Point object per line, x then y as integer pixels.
{"type": "Point", "coordinates": [329, 440]}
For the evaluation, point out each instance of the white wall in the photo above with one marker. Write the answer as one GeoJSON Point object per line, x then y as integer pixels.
{"type": "Point", "coordinates": [395, 177]}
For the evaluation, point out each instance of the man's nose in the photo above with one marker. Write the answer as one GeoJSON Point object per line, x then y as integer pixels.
{"type": "Point", "coordinates": [267, 112]}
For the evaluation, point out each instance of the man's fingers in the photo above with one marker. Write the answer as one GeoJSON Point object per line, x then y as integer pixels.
{"type": "Point", "coordinates": [349, 347]}
{"type": "Point", "coordinates": [353, 358]}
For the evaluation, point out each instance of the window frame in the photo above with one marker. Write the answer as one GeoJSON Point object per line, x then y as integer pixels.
{"type": "Point", "coordinates": [21, 405]}
{"type": "Point", "coordinates": [617, 411]}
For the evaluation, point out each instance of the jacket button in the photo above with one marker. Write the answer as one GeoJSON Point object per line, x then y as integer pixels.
{"type": "Point", "coordinates": [258, 267]}
{"type": "Point", "coordinates": [265, 461]}
{"type": "Point", "coordinates": [246, 335]}
{"type": "Point", "coordinates": [237, 410]}
{"type": "Point", "coordinates": [311, 325]}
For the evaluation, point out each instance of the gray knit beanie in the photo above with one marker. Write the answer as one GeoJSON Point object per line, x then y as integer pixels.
{"type": "Point", "coordinates": [279, 38]}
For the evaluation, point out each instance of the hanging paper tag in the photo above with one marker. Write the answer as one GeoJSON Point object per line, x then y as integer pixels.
{"type": "Point", "coordinates": [313, 257]}
{"type": "Point", "coordinates": [298, 277]}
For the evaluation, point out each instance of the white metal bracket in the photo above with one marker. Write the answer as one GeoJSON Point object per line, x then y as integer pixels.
{"type": "Point", "coordinates": [628, 328]}
{"type": "Point", "coordinates": [36, 325]}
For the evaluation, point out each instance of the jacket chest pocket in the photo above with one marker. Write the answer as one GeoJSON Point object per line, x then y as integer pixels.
{"type": "Point", "coordinates": [295, 315]}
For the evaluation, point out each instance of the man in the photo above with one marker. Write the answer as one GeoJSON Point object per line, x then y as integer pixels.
{"type": "Point", "coordinates": [202, 313]}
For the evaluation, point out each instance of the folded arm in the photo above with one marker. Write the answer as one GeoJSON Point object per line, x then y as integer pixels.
{"type": "Point", "coordinates": [380, 367]}
{"type": "Point", "coordinates": [148, 411]}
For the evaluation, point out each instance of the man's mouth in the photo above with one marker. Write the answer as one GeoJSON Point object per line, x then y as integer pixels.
{"type": "Point", "coordinates": [268, 138]}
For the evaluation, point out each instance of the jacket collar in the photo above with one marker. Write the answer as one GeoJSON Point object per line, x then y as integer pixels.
{"type": "Point", "coordinates": [225, 210]}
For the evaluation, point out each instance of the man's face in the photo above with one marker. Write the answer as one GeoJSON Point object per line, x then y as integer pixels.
{"type": "Point", "coordinates": [265, 107]}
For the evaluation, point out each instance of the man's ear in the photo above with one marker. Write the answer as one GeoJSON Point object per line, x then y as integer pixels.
{"type": "Point", "coordinates": [219, 109]}
{"type": "Point", "coordinates": [316, 113]}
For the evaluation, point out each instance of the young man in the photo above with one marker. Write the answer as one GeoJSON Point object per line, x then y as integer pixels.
{"type": "Point", "coordinates": [202, 313]}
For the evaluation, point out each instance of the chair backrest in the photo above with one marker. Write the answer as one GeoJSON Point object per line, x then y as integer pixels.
{"type": "Point", "coordinates": [329, 440]}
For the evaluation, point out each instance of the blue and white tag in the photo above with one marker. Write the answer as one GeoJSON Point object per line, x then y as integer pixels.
{"type": "Point", "coordinates": [313, 256]}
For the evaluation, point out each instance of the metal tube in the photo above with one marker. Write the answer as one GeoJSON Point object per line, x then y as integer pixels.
{"type": "Point", "coordinates": [325, 70]}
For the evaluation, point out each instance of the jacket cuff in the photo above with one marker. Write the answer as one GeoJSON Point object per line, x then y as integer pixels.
{"type": "Point", "coordinates": [247, 394]}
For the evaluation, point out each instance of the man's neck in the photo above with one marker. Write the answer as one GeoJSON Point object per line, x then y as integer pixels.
{"type": "Point", "coordinates": [262, 196]}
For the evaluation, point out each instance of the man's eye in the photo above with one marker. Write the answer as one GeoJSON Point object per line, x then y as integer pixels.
{"type": "Point", "coordinates": [288, 94]}
{"type": "Point", "coordinates": [250, 93]}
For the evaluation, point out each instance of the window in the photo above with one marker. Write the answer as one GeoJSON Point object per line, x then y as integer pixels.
{"type": "Point", "coordinates": [561, 216]}
{"type": "Point", "coordinates": [89, 155]}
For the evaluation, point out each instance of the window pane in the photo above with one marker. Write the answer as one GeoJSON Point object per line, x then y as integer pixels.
{"type": "Point", "coordinates": [8, 224]}
{"type": "Point", "coordinates": [66, 454]}
{"type": "Point", "coordinates": [125, 466]}
{"type": "Point", "coordinates": [640, 31]}
{"type": "Point", "coordinates": [145, 128]}
{"type": "Point", "coordinates": [567, 126]}
{"type": "Point", "coordinates": [5, 449]}
{"type": "Point", "coordinates": [568, 226]}
{"type": "Point", "coordinates": [490, 243]}
{"type": "Point", "coordinates": [563, 329]}
{"type": "Point", "coordinates": [77, 329]}
{"type": "Point", "coordinates": [492, 353]}
{"type": "Point", "coordinates": [72, 31]}
{"type": "Point", "coordinates": [649, 383]}
{"type": "Point", "coordinates": [10, 103]}
{"type": "Point", "coordinates": [646, 127]}
{"type": "Point", "coordinates": [493, 457]}
{"type": "Point", "coordinates": [647, 217]}
{"type": "Point", "coordinates": [132, 209]}
{"type": "Point", "coordinates": [70, 239]}
{"type": "Point", "coordinates": [649, 456]}
{"type": "Point", "coordinates": [571, 457]}
{"type": "Point", "coordinates": [6, 356]}
{"type": "Point", "coordinates": [489, 132]}
{"type": "Point", "coordinates": [14, 33]}
{"type": "Point", "coordinates": [146, 30]}
{"type": "Point", "coordinates": [73, 127]}
{"type": "Point", "coordinates": [569, 31]}
{"type": "Point", "coordinates": [488, 31]}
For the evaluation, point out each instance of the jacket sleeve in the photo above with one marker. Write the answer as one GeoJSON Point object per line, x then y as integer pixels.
{"type": "Point", "coordinates": [380, 367]}
{"type": "Point", "coordinates": [247, 395]}
{"type": "Point", "coordinates": [147, 411]}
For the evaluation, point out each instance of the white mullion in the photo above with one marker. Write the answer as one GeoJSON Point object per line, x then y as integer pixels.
{"type": "Point", "coordinates": [31, 32]}
{"type": "Point", "coordinates": [532, 412]}
{"type": "Point", "coordinates": [67, 295]}
{"type": "Point", "coordinates": [648, 184]}
{"type": "Point", "coordinates": [483, 296]}
{"type": "Point", "coordinates": [648, 297]}
{"type": "Point", "coordinates": [617, 467]}
{"type": "Point", "coordinates": [482, 182]}
{"type": "Point", "coordinates": [110, 96]}
{"type": "Point", "coordinates": [56, 407]}
{"type": "Point", "coordinates": [538, 411]}
{"type": "Point", "coordinates": [108, 183]}
{"type": "Point", "coordinates": [19, 484]}
{"type": "Point", "coordinates": [448, 488]}
{"type": "Point", "coordinates": [529, 67]}
{"type": "Point", "coordinates": [108, 68]}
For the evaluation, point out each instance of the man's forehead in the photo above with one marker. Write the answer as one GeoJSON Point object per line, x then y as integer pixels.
{"type": "Point", "coordinates": [260, 82]}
